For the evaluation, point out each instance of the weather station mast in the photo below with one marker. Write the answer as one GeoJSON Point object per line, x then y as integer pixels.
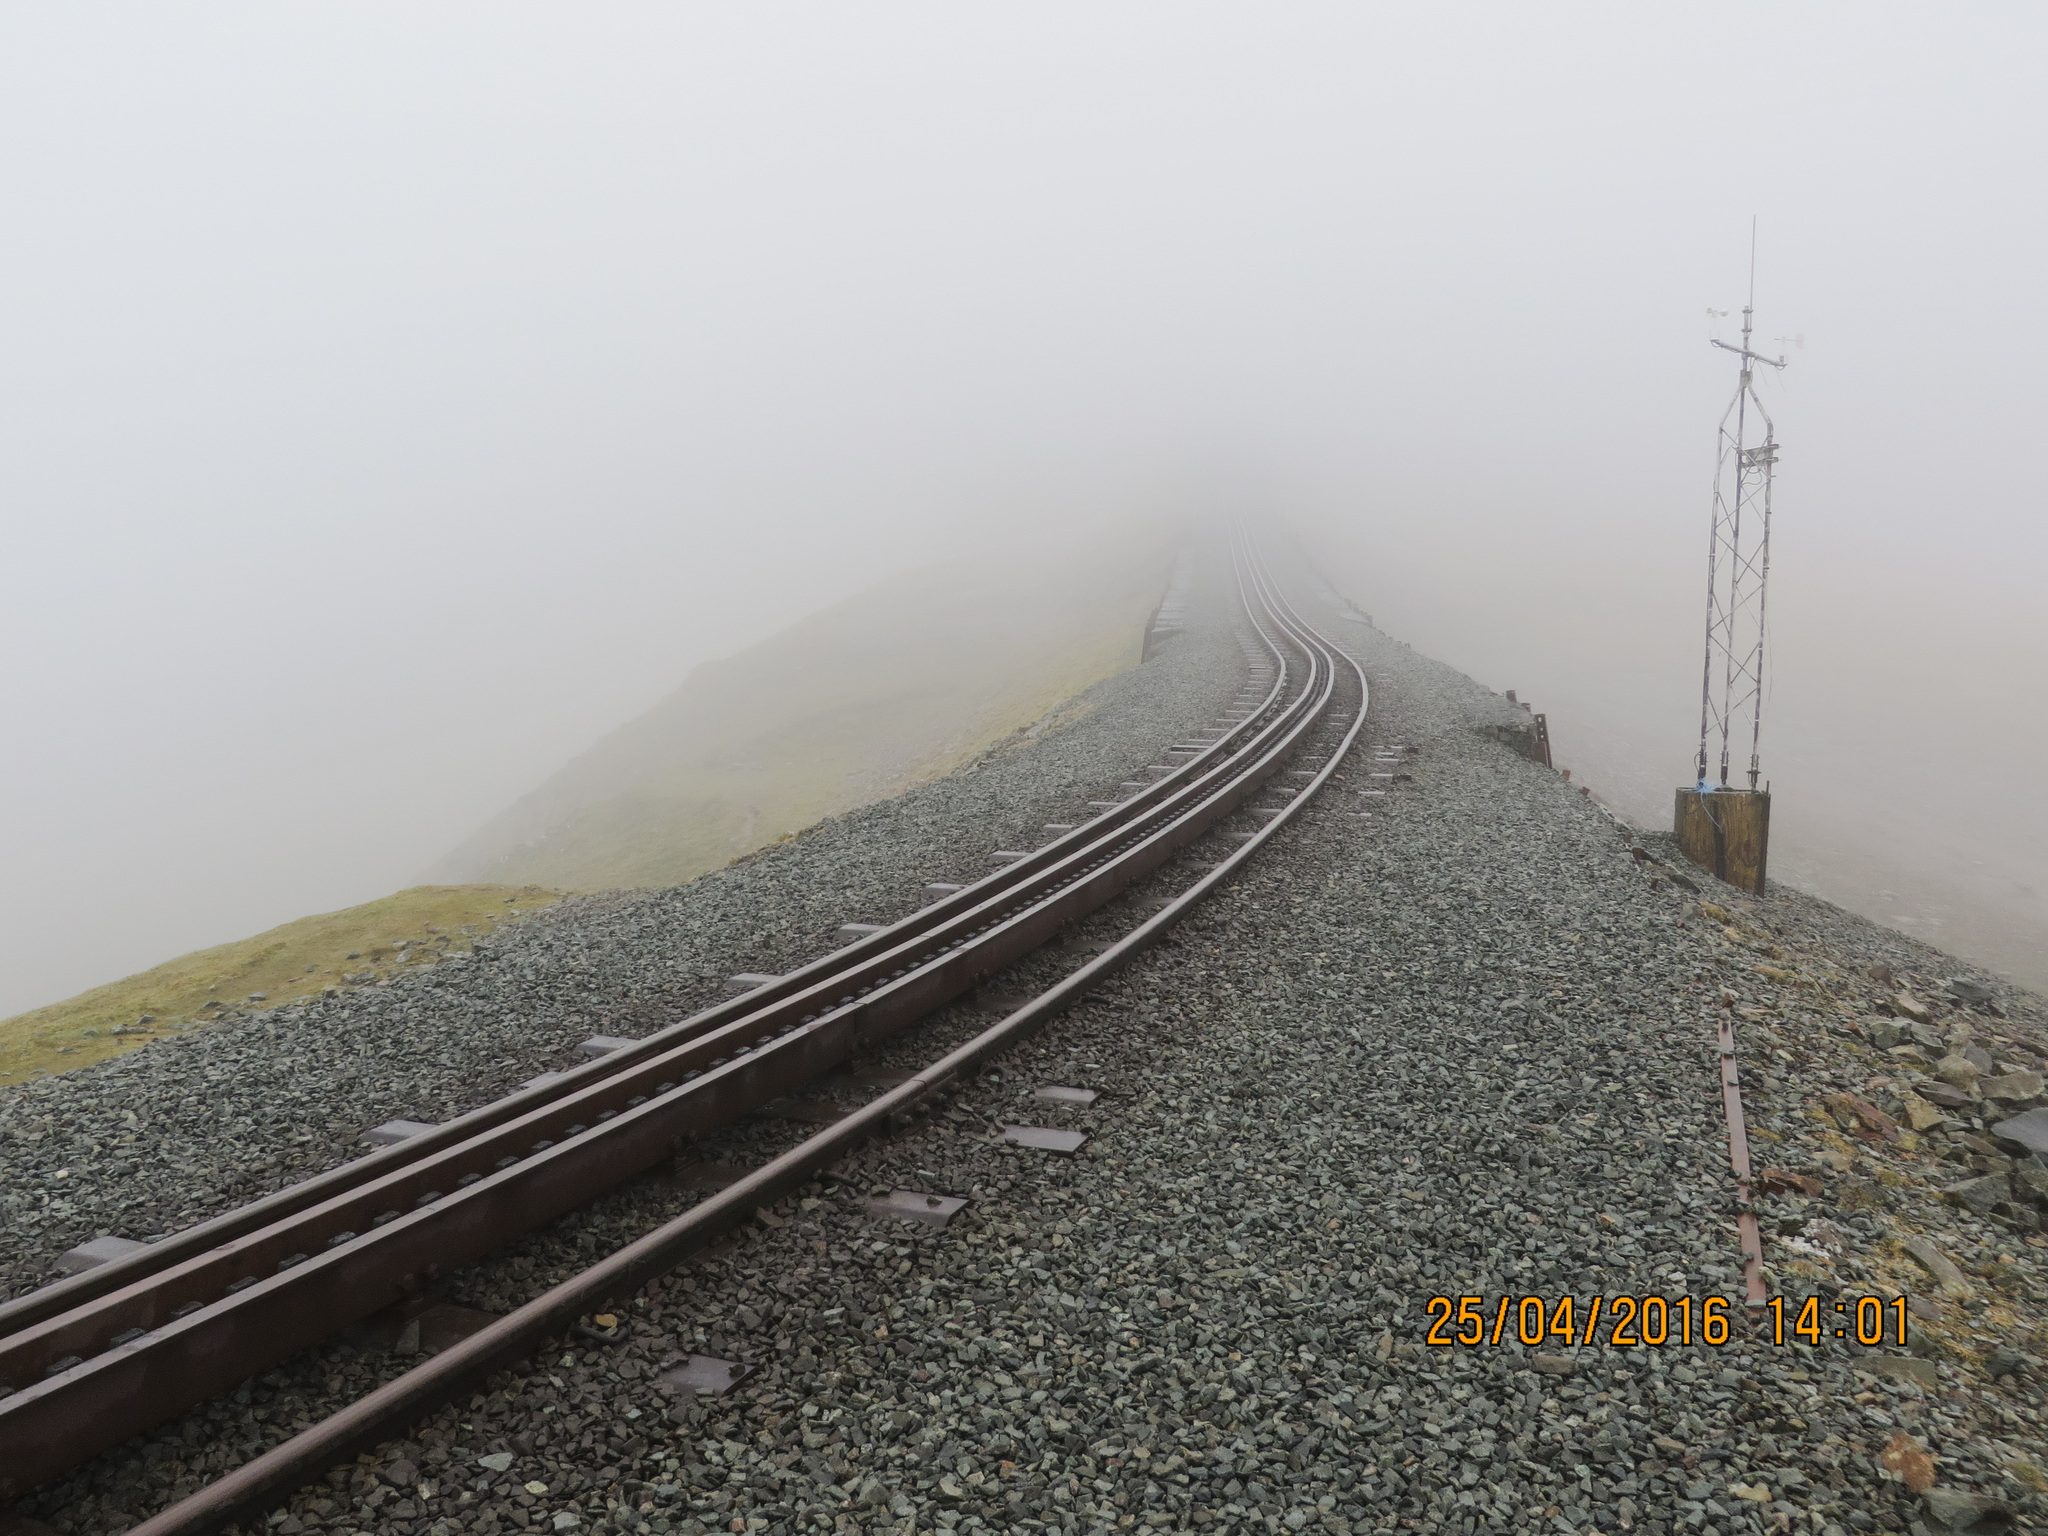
{"type": "Point", "coordinates": [1720, 826]}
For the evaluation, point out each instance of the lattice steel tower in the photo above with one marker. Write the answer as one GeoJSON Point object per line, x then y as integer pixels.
{"type": "Point", "coordinates": [1738, 563]}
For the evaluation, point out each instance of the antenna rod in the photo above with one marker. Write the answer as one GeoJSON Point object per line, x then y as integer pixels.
{"type": "Point", "coordinates": [1752, 274]}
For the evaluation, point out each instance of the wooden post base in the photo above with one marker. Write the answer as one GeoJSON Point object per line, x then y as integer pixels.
{"type": "Point", "coordinates": [1727, 832]}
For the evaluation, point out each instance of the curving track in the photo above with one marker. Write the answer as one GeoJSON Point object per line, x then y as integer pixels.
{"type": "Point", "coordinates": [110, 1353]}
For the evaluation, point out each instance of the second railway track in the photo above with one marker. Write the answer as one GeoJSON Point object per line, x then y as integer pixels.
{"type": "Point", "coordinates": [106, 1355]}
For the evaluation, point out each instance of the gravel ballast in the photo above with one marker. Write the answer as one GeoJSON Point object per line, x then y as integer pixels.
{"type": "Point", "coordinates": [156, 1140]}
{"type": "Point", "coordinates": [1446, 1036]}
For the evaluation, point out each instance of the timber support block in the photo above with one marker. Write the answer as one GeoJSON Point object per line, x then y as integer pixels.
{"type": "Point", "coordinates": [1727, 832]}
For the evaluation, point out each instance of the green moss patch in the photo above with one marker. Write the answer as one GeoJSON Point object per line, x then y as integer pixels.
{"type": "Point", "coordinates": [353, 947]}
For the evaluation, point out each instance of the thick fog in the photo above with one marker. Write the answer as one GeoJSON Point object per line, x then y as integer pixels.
{"type": "Point", "coordinates": [395, 398]}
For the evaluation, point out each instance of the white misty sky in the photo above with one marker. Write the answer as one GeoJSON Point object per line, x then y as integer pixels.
{"type": "Point", "coordinates": [392, 398]}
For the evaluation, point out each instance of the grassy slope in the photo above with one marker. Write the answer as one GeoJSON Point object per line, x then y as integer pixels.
{"type": "Point", "coordinates": [292, 961]}
{"type": "Point", "coordinates": [899, 685]}
{"type": "Point", "coordinates": [892, 688]}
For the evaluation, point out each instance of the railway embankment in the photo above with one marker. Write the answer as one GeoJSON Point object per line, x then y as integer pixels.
{"type": "Point", "coordinates": [891, 688]}
{"type": "Point", "coordinates": [1447, 1037]}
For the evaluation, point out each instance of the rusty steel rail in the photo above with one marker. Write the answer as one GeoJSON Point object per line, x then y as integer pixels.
{"type": "Point", "coordinates": [292, 1272]}
{"type": "Point", "coordinates": [67, 1295]}
{"type": "Point", "coordinates": [265, 1479]}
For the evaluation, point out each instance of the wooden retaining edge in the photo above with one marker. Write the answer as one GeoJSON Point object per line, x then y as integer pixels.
{"type": "Point", "coordinates": [1754, 1291]}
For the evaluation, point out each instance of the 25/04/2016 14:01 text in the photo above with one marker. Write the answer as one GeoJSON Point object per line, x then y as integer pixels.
{"type": "Point", "coordinates": [1635, 1322]}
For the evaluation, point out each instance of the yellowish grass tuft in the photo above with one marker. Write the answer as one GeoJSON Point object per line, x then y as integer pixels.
{"type": "Point", "coordinates": [352, 947]}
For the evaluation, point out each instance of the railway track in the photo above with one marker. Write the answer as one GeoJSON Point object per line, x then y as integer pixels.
{"type": "Point", "coordinates": [110, 1353]}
